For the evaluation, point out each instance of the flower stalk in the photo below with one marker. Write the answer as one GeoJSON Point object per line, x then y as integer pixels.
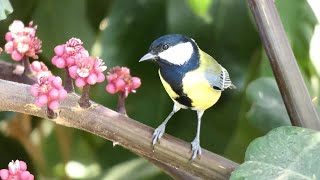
{"type": "Point", "coordinates": [84, 100]}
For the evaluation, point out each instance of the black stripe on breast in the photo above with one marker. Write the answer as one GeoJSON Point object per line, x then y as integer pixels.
{"type": "Point", "coordinates": [173, 75]}
{"type": "Point", "coordinates": [184, 100]}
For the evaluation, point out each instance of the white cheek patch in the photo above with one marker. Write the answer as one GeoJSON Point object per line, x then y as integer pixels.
{"type": "Point", "coordinates": [178, 54]}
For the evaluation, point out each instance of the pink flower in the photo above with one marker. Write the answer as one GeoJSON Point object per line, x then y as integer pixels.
{"type": "Point", "coordinates": [17, 170]}
{"type": "Point", "coordinates": [67, 54]}
{"type": "Point", "coordinates": [22, 41]}
{"type": "Point", "coordinates": [48, 91]}
{"type": "Point", "coordinates": [40, 69]}
{"type": "Point", "coordinates": [87, 70]}
{"type": "Point", "coordinates": [120, 80]}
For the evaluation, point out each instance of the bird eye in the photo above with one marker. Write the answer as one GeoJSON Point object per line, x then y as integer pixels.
{"type": "Point", "coordinates": [165, 46]}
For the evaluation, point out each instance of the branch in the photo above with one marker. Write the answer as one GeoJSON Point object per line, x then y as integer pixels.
{"type": "Point", "coordinates": [120, 129]}
{"type": "Point", "coordinates": [15, 72]}
{"type": "Point", "coordinates": [286, 71]}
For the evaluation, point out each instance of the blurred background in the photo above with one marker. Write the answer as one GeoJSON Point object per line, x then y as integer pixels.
{"type": "Point", "coordinates": [120, 32]}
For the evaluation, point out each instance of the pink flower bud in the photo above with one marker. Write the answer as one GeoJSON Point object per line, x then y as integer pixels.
{"type": "Point", "coordinates": [54, 105]}
{"type": "Point", "coordinates": [54, 94]}
{"type": "Point", "coordinates": [101, 77]}
{"type": "Point", "coordinates": [119, 79]}
{"type": "Point", "coordinates": [70, 61]}
{"type": "Point", "coordinates": [57, 82]}
{"type": "Point", "coordinates": [60, 62]}
{"type": "Point", "coordinates": [23, 165]}
{"type": "Point", "coordinates": [80, 82]}
{"type": "Point", "coordinates": [4, 174]}
{"type": "Point", "coordinates": [8, 36]}
{"type": "Point", "coordinates": [17, 170]}
{"type": "Point", "coordinates": [73, 71]}
{"type": "Point", "coordinates": [119, 83]}
{"type": "Point", "coordinates": [25, 175]}
{"type": "Point", "coordinates": [9, 47]}
{"type": "Point", "coordinates": [48, 91]}
{"type": "Point", "coordinates": [36, 66]}
{"type": "Point", "coordinates": [59, 50]}
{"type": "Point", "coordinates": [63, 94]}
{"type": "Point", "coordinates": [38, 104]}
{"type": "Point", "coordinates": [110, 88]}
{"type": "Point", "coordinates": [15, 55]}
{"type": "Point", "coordinates": [43, 99]}
{"type": "Point", "coordinates": [22, 41]}
{"type": "Point", "coordinates": [135, 82]}
{"type": "Point", "coordinates": [92, 79]}
{"type": "Point", "coordinates": [54, 60]}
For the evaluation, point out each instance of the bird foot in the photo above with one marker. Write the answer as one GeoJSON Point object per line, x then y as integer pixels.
{"type": "Point", "coordinates": [158, 134]}
{"type": "Point", "coordinates": [196, 149]}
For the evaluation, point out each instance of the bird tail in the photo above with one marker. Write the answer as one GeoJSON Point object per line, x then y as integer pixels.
{"type": "Point", "coordinates": [232, 86]}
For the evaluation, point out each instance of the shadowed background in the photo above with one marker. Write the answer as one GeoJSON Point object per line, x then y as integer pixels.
{"type": "Point", "coordinates": [120, 32]}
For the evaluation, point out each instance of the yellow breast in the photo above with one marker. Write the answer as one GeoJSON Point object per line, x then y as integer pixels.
{"type": "Point", "coordinates": [199, 90]}
{"type": "Point", "coordinates": [170, 92]}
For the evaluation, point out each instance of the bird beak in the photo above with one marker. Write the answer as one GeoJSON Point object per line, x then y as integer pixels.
{"type": "Point", "coordinates": [148, 56]}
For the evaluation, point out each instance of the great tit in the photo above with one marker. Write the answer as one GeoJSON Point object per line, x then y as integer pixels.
{"type": "Point", "coordinates": [192, 78]}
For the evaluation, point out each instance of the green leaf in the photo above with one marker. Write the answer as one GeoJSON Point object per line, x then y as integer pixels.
{"type": "Point", "coordinates": [135, 169]}
{"type": "Point", "coordinates": [60, 20]}
{"type": "Point", "coordinates": [267, 110]}
{"type": "Point", "coordinates": [284, 153]}
{"type": "Point", "coordinates": [5, 9]}
{"type": "Point", "coordinates": [201, 8]}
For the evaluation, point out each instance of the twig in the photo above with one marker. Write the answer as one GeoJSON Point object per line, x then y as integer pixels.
{"type": "Point", "coordinates": [122, 103]}
{"type": "Point", "coordinates": [118, 128]}
{"type": "Point", "coordinates": [26, 64]}
{"type": "Point", "coordinates": [290, 82]}
{"type": "Point", "coordinates": [84, 100]}
{"type": "Point", "coordinates": [14, 72]}
{"type": "Point", "coordinates": [68, 82]}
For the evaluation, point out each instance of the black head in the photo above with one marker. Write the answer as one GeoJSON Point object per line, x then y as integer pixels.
{"type": "Point", "coordinates": [174, 49]}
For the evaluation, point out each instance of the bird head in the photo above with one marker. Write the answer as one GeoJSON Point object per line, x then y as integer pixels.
{"type": "Point", "coordinates": [173, 49]}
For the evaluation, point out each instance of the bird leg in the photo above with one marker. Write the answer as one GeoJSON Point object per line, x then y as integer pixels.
{"type": "Point", "coordinates": [195, 144]}
{"type": "Point", "coordinates": [160, 130]}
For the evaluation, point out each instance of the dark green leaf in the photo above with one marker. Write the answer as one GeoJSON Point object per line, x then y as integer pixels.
{"type": "Point", "coordinates": [60, 20]}
{"type": "Point", "coordinates": [284, 153]}
{"type": "Point", "coordinates": [267, 110]}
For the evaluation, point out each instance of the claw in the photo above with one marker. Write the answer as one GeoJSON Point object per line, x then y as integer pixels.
{"type": "Point", "coordinates": [158, 133]}
{"type": "Point", "coordinates": [196, 149]}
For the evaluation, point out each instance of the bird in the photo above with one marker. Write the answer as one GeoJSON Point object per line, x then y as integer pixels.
{"type": "Point", "coordinates": [192, 78]}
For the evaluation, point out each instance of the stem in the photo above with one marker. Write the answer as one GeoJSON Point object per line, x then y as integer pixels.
{"type": "Point", "coordinates": [84, 100]}
{"type": "Point", "coordinates": [26, 64]}
{"type": "Point", "coordinates": [68, 82]}
{"type": "Point", "coordinates": [51, 114]}
{"type": "Point", "coordinates": [122, 104]}
{"type": "Point", "coordinates": [286, 71]}
{"type": "Point", "coordinates": [128, 133]}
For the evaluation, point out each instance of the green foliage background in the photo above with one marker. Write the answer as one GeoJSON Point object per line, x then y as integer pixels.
{"type": "Point", "coordinates": [120, 31]}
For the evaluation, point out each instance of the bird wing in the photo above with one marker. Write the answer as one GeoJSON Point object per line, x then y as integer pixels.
{"type": "Point", "coordinates": [217, 75]}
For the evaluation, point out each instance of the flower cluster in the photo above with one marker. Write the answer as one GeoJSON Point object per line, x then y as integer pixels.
{"type": "Point", "coordinates": [22, 41]}
{"type": "Point", "coordinates": [67, 54]}
{"type": "Point", "coordinates": [40, 69]}
{"type": "Point", "coordinates": [87, 70]}
{"type": "Point", "coordinates": [48, 91]}
{"type": "Point", "coordinates": [120, 80]}
{"type": "Point", "coordinates": [17, 170]}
